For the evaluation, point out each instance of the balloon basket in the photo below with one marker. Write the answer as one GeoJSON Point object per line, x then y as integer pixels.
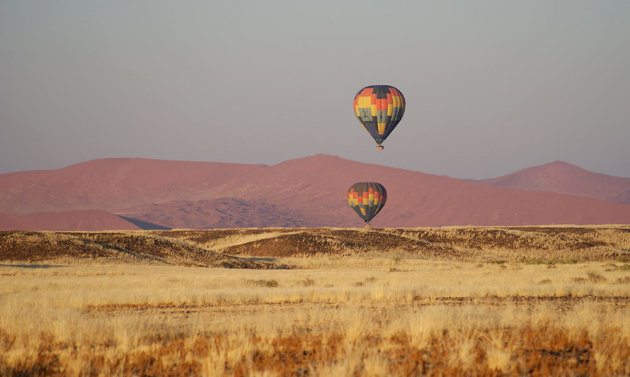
{"type": "Point", "coordinates": [380, 147]}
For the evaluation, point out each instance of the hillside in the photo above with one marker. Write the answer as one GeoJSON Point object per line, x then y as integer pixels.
{"type": "Point", "coordinates": [215, 213]}
{"type": "Point", "coordinates": [84, 220]}
{"type": "Point", "coordinates": [563, 178]}
{"type": "Point", "coordinates": [112, 184]}
{"type": "Point", "coordinates": [114, 247]}
{"type": "Point", "coordinates": [257, 247]}
{"type": "Point", "coordinates": [316, 186]}
{"type": "Point", "coordinates": [308, 191]}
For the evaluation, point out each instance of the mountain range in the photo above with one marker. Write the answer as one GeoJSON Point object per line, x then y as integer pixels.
{"type": "Point", "coordinates": [135, 193]}
{"type": "Point", "coordinates": [564, 178]}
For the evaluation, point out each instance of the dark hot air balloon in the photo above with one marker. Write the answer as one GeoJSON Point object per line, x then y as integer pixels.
{"type": "Point", "coordinates": [379, 108]}
{"type": "Point", "coordinates": [367, 199]}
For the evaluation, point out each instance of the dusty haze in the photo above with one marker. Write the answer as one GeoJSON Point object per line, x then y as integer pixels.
{"type": "Point", "coordinates": [492, 87]}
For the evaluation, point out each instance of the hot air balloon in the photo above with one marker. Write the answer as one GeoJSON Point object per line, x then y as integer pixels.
{"type": "Point", "coordinates": [367, 199]}
{"type": "Point", "coordinates": [379, 108]}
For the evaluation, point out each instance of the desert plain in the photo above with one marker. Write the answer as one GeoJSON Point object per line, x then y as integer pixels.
{"type": "Point", "coordinates": [450, 301]}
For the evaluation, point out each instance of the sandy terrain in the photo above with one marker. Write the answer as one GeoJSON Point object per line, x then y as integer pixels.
{"type": "Point", "coordinates": [308, 191]}
{"type": "Point", "coordinates": [317, 302]}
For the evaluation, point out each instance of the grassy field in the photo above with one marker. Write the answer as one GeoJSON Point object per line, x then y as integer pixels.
{"type": "Point", "coordinates": [317, 302]}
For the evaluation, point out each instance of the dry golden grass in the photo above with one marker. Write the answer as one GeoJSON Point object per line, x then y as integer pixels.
{"type": "Point", "coordinates": [114, 247]}
{"type": "Point", "coordinates": [550, 244]}
{"type": "Point", "coordinates": [217, 248]}
{"type": "Point", "coordinates": [349, 311]}
{"type": "Point", "coordinates": [376, 317]}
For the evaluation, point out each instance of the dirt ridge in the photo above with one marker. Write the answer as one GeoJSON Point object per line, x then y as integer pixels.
{"type": "Point", "coordinates": [115, 247]}
{"type": "Point", "coordinates": [232, 247]}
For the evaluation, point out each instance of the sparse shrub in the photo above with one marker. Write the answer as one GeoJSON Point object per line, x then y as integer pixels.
{"type": "Point", "coordinates": [549, 261]}
{"type": "Point", "coordinates": [596, 278]}
{"type": "Point", "coordinates": [580, 280]}
{"type": "Point", "coordinates": [532, 261]}
{"type": "Point", "coordinates": [545, 281]}
{"type": "Point", "coordinates": [615, 267]}
{"type": "Point", "coordinates": [610, 267]}
{"type": "Point", "coordinates": [624, 280]}
{"type": "Point", "coordinates": [497, 261]}
{"type": "Point", "coordinates": [268, 283]}
{"type": "Point", "coordinates": [307, 282]}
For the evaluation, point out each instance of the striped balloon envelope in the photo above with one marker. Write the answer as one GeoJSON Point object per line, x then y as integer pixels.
{"type": "Point", "coordinates": [379, 108]}
{"type": "Point", "coordinates": [367, 199]}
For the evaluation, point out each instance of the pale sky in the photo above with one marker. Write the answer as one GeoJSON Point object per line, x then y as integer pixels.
{"type": "Point", "coordinates": [491, 86]}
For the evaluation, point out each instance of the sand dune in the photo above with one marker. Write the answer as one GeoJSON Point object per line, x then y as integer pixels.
{"type": "Point", "coordinates": [308, 191]}
{"type": "Point", "coordinates": [564, 178]}
{"type": "Point", "coordinates": [111, 184]}
{"type": "Point", "coordinates": [71, 220]}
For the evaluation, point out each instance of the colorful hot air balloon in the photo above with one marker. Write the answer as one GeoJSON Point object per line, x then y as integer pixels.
{"type": "Point", "coordinates": [367, 199]}
{"type": "Point", "coordinates": [379, 108]}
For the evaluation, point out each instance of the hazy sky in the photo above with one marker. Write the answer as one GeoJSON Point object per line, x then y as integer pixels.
{"type": "Point", "coordinates": [491, 86]}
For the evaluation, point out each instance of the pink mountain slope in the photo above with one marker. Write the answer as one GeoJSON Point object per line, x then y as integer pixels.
{"type": "Point", "coordinates": [112, 183]}
{"type": "Point", "coordinates": [215, 213]}
{"type": "Point", "coordinates": [307, 191]}
{"type": "Point", "coordinates": [316, 187]}
{"type": "Point", "coordinates": [73, 220]}
{"type": "Point", "coordinates": [563, 178]}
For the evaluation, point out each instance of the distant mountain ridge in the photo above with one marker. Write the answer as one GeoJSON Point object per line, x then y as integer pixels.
{"type": "Point", "coordinates": [563, 178]}
{"type": "Point", "coordinates": [309, 191]}
{"type": "Point", "coordinates": [88, 220]}
{"type": "Point", "coordinates": [112, 183]}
